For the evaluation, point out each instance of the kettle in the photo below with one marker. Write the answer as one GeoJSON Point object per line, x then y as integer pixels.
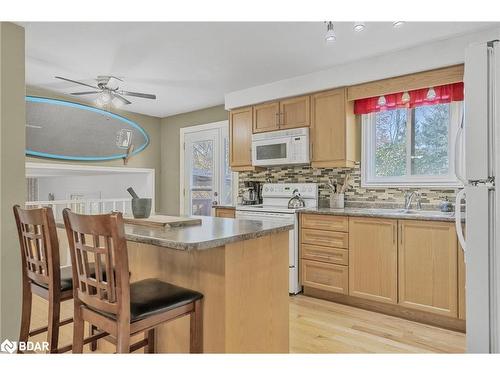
{"type": "Point", "coordinates": [296, 201]}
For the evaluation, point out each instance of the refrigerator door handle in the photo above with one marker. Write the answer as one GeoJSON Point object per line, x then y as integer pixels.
{"type": "Point", "coordinates": [458, 219]}
{"type": "Point", "coordinates": [459, 150]}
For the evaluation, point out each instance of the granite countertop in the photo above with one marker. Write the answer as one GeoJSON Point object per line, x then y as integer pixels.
{"type": "Point", "coordinates": [384, 213]}
{"type": "Point", "coordinates": [213, 232]}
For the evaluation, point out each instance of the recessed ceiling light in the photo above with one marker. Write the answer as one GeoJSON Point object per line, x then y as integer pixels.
{"type": "Point", "coordinates": [398, 24]}
{"type": "Point", "coordinates": [359, 26]}
{"type": "Point", "coordinates": [330, 34]}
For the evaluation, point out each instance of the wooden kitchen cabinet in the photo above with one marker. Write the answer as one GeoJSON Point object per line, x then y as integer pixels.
{"type": "Point", "coordinates": [324, 222]}
{"type": "Point", "coordinates": [325, 276]}
{"type": "Point", "coordinates": [240, 139]}
{"type": "Point", "coordinates": [266, 117]}
{"type": "Point", "coordinates": [373, 255]}
{"type": "Point", "coordinates": [428, 266]}
{"type": "Point", "coordinates": [225, 212]}
{"type": "Point", "coordinates": [283, 114]}
{"type": "Point", "coordinates": [295, 112]}
{"type": "Point", "coordinates": [335, 135]}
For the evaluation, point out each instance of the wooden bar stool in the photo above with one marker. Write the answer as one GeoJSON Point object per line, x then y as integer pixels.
{"type": "Point", "coordinates": [42, 274]}
{"type": "Point", "coordinates": [115, 305]}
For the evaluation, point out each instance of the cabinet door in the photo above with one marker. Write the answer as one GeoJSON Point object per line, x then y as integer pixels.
{"type": "Point", "coordinates": [295, 112]}
{"type": "Point", "coordinates": [240, 136]}
{"type": "Point", "coordinates": [266, 117]}
{"type": "Point", "coordinates": [373, 259]}
{"type": "Point", "coordinates": [225, 212]}
{"type": "Point", "coordinates": [428, 266]}
{"type": "Point", "coordinates": [330, 277]}
{"type": "Point", "coordinates": [335, 136]}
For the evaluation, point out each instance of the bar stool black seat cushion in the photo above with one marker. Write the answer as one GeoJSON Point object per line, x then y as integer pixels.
{"type": "Point", "coordinates": [152, 296]}
{"type": "Point", "coordinates": [67, 277]}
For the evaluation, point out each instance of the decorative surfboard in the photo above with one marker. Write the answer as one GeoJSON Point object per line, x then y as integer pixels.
{"type": "Point", "coordinates": [58, 129]}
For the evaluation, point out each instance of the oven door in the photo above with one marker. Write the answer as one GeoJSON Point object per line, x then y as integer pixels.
{"type": "Point", "coordinates": [275, 151]}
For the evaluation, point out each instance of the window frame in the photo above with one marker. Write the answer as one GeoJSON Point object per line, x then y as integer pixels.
{"type": "Point", "coordinates": [368, 178]}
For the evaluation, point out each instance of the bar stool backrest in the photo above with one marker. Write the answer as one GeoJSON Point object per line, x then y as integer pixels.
{"type": "Point", "coordinates": [39, 246]}
{"type": "Point", "coordinates": [98, 250]}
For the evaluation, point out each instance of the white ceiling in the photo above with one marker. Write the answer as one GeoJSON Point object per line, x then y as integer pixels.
{"type": "Point", "coordinates": [192, 65]}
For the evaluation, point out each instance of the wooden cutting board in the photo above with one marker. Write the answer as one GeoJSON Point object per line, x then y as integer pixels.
{"type": "Point", "coordinates": [163, 221]}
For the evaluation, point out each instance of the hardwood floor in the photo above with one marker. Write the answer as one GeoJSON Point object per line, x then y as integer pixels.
{"type": "Point", "coordinates": [318, 326]}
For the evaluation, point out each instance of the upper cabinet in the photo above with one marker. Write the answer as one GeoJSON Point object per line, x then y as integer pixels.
{"type": "Point", "coordinates": [295, 112]}
{"type": "Point", "coordinates": [334, 133]}
{"type": "Point", "coordinates": [284, 114]}
{"type": "Point", "coordinates": [266, 117]}
{"type": "Point", "coordinates": [240, 137]}
{"type": "Point", "coordinates": [335, 136]}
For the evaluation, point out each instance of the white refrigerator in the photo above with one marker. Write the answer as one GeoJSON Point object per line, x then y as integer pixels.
{"type": "Point", "coordinates": [480, 137]}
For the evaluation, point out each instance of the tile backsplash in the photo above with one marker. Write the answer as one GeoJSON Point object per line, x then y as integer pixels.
{"type": "Point", "coordinates": [355, 196]}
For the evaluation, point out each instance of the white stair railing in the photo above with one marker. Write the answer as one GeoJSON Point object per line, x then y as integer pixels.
{"type": "Point", "coordinates": [85, 206]}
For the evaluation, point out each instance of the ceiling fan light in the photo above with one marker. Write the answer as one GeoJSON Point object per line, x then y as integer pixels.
{"type": "Point", "coordinates": [405, 98]}
{"type": "Point", "coordinates": [381, 101]}
{"type": "Point", "coordinates": [105, 97]}
{"type": "Point", "coordinates": [398, 24]}
{"type": "Point", "coordinates": [359, 26]}
{"type": "Point", "coordinates": [431, 94]}
{"type": "Point", "coordinates": [330, 34]}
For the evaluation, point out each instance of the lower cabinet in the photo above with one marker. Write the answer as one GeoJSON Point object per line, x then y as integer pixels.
{"type": "Point", "coordinates": [428, 266]}
{"type": "Point", "coordinates": [325, 276]}
{"type": "Point", "coordinates": [410, 264]}
{"type": "Point", "coordinates": [373, 257]}
{"type": "Point", "coordinates": [225, 212]}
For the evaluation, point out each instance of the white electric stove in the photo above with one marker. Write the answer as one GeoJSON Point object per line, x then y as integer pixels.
{"type": "Point", "coordinates": [275, 199]}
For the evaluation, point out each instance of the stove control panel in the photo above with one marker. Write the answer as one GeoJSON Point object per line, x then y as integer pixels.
{"type": "Point", "coordinates": [306, 190]}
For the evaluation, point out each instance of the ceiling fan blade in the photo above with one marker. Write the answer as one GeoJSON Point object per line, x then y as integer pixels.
{"type": "Point", "coordinates": [85, 92]}
{"type": "Point", "coordinates": [122, 99]}
{"type": "Point", "coordinates": [137, 94]}
{"type": "Point", "coordinates": [78, 83]}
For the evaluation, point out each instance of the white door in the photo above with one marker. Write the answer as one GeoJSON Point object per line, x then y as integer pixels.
{"type": "Point", "coordinates": [207, 176]}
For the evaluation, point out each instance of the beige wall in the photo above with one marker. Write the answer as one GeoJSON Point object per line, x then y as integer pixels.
{"type": "Point", "coordinates": [12, 173]}
{"type": "Point", "coordinates": [170, 150]}
{"type": "Point", "coordinates": [149, 158]}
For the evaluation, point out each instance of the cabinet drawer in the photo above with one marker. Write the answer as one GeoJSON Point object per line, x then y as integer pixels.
{"type": "Point", "coordinates": [325, 222]}
{"type": "Point", "coordinates": [331, 277]}
{"type": "Point", "coordinates": [325, 254]}
{"type": "Point", "coordinates": [225, 212]}
{"type": "Point", "coordinates": [325, 238]}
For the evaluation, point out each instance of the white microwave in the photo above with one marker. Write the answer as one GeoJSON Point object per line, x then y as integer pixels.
{"type": "Point", "coordinates": [281, 147]}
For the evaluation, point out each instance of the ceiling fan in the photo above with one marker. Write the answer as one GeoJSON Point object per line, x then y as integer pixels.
{"type": "Point", "coordinates": [108, 88]}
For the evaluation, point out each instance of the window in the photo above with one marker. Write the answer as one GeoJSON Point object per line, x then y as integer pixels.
{"type": "Point", "coordinates": [410, 146]}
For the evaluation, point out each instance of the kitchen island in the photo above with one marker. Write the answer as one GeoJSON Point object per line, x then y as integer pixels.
{"type": "Point", "coordinates": [240, 266]}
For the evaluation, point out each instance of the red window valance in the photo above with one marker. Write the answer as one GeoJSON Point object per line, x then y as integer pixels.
{"type": "Point", "coordinates": [444, 94]}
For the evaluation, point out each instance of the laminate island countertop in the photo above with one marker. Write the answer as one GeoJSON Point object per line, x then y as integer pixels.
{"type": "Point", "coordinates": [213, 232]}
{"type": "Point", "coordinates": [389, 213]}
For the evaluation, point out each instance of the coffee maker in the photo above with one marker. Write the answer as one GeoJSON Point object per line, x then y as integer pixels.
{"type": "Point", "coordinates": [252, 193]}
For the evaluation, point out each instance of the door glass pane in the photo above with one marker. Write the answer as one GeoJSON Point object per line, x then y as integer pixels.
{"type": "Point", "coordinates": [429, 154]}
{"type": "Point", "coordinates": [227, 176]}
{"type": "Point", "coordinates": [390, 143]}
{"type": "Point", "coordinates": [276, 151]}
{"type": "Point", "coordinates": [202, 177]}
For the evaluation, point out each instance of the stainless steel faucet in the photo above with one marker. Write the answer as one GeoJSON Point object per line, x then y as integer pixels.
{"type": "Point", "coordinates": [409, 198]}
